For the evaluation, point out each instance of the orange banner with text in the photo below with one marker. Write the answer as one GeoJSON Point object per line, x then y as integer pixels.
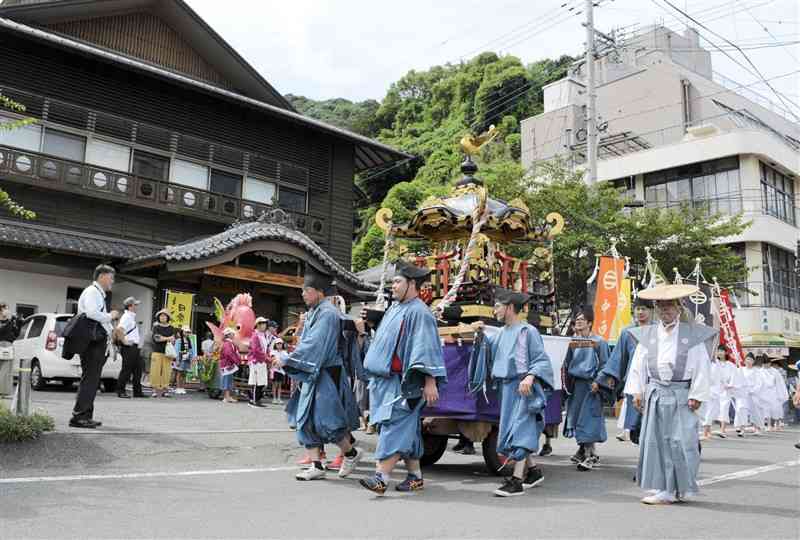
{"type": "Point", "coordinates": [609, 283]}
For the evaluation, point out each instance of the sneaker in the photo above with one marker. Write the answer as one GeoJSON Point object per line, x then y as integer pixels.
{"type": "Point", "coordinates": [374, 484]}
{"type": "Point", "coordinates": [621, 436]}
{"type": "Point", "coordinates": [349, 464]}
{"type": "Point", "coordinates": [336, 464]}
{"type": "Point", "coordinates": [587, 464]}
{"type": "Point", "coordinates": [256, 404]}
{"type": "Point", "coordinates": [579, 456]}
{"type": "Point", "coordinates": [546, 450]}
{"type": "Point", "coordinates": [411, 483]}
{"type": "Point", "coordinates": [512, 488]}
{"type": "Point", "coordinates": [797, 445]}
{"type": "Point", "coordinates": [533, 478]}
{"type": "Point", "coordinates": [721, 435]}
{"type": "Point", "coordinates": [662, 497]}
{"type": "Point", "coordinates": [594, 459]}
{"type": "Point", "coordinates": [311, 473]}
{"type": "Point", "coordinates": [459, 446]}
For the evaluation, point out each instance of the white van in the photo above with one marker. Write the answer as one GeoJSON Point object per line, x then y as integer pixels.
{"type": "Point", "coordinates": [40, 342]}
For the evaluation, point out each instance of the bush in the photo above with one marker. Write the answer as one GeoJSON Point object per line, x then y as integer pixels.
{"type": "Point", "coordinates": [23, 428]}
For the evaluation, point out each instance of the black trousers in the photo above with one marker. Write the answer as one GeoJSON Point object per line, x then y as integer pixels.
{"type": "Point", "coordinates": [92, 361]}
{"type": "Point", "coordinates": [132, 366]}
{"type": "Point", "coordinates": [259, 393]}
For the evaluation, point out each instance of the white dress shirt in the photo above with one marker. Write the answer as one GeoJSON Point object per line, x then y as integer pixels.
{"type": "Point", "coordinates": [698, 366]}
{"type": "Point", "coordinates": [92, 302]}
{"type": "Point", "coordinates": [129, 326]}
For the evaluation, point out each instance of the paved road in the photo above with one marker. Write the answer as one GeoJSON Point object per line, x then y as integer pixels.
{"type": "Point", "coordinates": [194, 468]}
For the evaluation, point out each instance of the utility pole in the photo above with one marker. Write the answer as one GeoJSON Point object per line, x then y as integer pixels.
{"type": "Point", "coordinates": [591, 106]}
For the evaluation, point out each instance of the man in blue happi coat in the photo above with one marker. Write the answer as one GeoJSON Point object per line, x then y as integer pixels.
{"type": "Point", "coordinates": [584, 421]}
{"type": "Point", "coordinates": [614, 374]}
{"type": "Point", "coordinates": [404, 364]}
{"type": "Point", "coordinates": [669, 380]}
{"type": "Point", "coordinates": [523, 370]}
{"type": "Point", "coordinates": [322, 408]}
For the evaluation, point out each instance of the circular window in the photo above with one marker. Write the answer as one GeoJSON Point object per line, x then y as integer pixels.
{"type": "Point", "coordinates": [100, 179]}
{"type": "Point", "coordinates": [229, 207]}
{"type": "Point", "coordinates": [189, 199]}
{"type": "Point", "coordinates": [122, 184]}
{"type": "Point", "coordinates": [49, 170]}
{"type": "Point", "coordinates": [247, 210]}
{"type": "Point", "coordinates": [317, 226]}
{"type": "Point", "coordinates": [23, 163]}
{"type": "Point", "coordinates": [74, 175]}
{"type": "Point", "coordinates": [146, 189]}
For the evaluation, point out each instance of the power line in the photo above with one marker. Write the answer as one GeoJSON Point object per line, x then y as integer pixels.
{"type": "Point", "coordinates": [775, 39]}
{"type": "Point", "coordinates": [672, 104]}
{"type": "Point", "coordinates": [747, 58]}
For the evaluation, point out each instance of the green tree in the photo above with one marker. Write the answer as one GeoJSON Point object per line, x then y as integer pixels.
{"type": "Point", "coordinates": [5, 200]}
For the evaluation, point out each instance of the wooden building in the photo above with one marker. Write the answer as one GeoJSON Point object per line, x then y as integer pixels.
{"type": "Point", "coordinates": [152, 134]}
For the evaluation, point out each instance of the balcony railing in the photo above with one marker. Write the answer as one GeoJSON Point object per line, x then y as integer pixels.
{"type": "Point", "coordinates": [42, 170]}
{"type": "Point", "coordinates": [768, 295]}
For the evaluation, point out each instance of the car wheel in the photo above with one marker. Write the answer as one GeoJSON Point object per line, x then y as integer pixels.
{"type": "Point", "coordinates": [494, 461]}
{"type": "Point", "coordinates": [434, 447]}
{"type": "Point", "coordinates": [38, 382]}
{"type": "Point", "coordinates": [109, 385]}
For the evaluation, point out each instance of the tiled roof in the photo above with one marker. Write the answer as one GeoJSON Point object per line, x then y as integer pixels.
{"type": "Point", "coordinates": [254, 231]}
{"type": "Point", "coordinates": [35, 236]}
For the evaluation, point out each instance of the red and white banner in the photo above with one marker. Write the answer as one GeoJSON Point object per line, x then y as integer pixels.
{"type": "Point", "coordinates": [729, 335]}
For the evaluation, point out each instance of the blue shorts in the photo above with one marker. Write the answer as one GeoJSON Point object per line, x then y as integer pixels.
{"type": "Point", "coordinates": [227, 382]}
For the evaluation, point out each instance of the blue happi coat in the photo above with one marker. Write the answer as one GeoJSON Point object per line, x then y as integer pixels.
{"type": "Point", "coordinates": [323, 408]}
{"type": "Point", "coordinates": [584, 420]}
{"type": "Point", "coordinates": [617, 368]}
{"type": "Point", "coordinates": [409, 330]}
{"type": "Point", "coordinates": [516, 352]}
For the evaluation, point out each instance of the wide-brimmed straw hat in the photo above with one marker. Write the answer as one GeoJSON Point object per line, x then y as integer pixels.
{"type": "Point", "coordinates": [667, 292]}
{"type": "Point", "coordinates": [261, 320]}
{"type": "Point", "coordinates": [163, 312]}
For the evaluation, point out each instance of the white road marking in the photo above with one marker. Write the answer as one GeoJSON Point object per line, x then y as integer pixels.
{"type": "Point", "coordinates": [283, 468]}
{"type": "Point", "coordinates": [747, 472]}
{"type": "Point", "coordinates": [136, 476]}
{"type": "Point", "coordinates": [181, 432]}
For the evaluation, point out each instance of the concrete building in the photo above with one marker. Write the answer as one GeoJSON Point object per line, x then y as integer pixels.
{"type": "Point", "coordinates": [674, 131]}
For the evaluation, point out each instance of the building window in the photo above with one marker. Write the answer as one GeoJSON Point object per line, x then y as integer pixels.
{"type": "Point", "coordinates": [64, 145]}
{"type": "Point", "coordinates": [25, 138]}
{"type": "Point", "coordinates": [781, 287]}
{"type": "Point", "coordinates": [73, 294]}
{"type": "Point", "coordinates": [292, 199]}
{"type": "Point", "coordinates": [189, 174]}
{"type": "Point", "coordinates": [259, 191]}
{"type": "Point", "coordinates": [107, 154]}
{"type": "Point", "coordinates": [712, 185]}
{"type": "Point", "coordinates": [226, 183]}
{"type": "Point", "coordinates": [150, 166]}
{"type": "Point", "coordinates": [26, 310]}
{"type": "Point", "coordinates": [777, 195]}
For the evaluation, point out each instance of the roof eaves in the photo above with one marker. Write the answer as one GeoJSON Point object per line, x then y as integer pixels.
{"type": "Point", "coordinates": [181, 78]}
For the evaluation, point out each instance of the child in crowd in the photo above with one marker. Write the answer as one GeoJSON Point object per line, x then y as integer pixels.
{"type": "Point", "coordinates": [258, 359]}
{"type": "Point", "coordinates": [185, 349]}
{"type": "Point", "coordinates": [278, 355]}
{"type": "Point", "coordinates": [228, 364]}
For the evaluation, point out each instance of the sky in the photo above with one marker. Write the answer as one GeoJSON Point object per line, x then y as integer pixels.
{"type": "Point", "coordinates": [356, 48]}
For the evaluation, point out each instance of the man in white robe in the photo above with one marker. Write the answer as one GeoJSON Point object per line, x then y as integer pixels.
{"type": "Point", "coordinates": [669, 380]}
{"type": "Point", "coordinates": [731, 383]}
{"type": "Point", "coordinates": [709, 412]}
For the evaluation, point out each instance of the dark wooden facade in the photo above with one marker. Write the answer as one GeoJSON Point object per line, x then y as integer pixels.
{"type": "Point", "coordinates": [144, 36]}
{"type": "Point", "coordinates": [65, 88]}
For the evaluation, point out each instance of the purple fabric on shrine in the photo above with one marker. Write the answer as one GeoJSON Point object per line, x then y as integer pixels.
{"type": "Point", "coordinates": [454, 400]}
{"type": "Point", "coordinates": [552, 412]}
